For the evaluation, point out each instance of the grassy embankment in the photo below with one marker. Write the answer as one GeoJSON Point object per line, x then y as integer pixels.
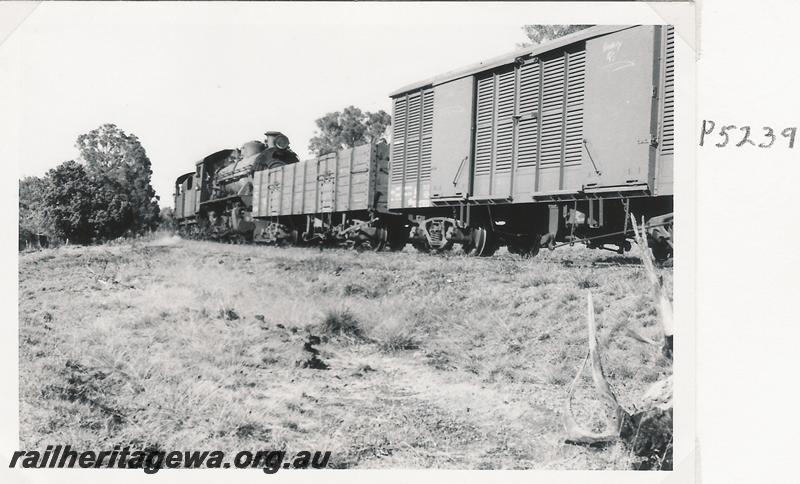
{"type": "Point", "coordinates": [433, 361]}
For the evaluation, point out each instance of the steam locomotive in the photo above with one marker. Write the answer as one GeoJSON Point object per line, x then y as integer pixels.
{"type": "Point", "coordinates": [215, 199]}
{"type": "Point", "coordinates": [554, 144]}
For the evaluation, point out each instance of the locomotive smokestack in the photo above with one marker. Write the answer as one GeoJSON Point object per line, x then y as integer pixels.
{"type": "Point", "coordinates": [276, 139]}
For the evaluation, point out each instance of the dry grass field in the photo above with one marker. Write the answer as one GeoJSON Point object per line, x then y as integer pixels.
{"type": "Point", "coordinates": [424, 361]}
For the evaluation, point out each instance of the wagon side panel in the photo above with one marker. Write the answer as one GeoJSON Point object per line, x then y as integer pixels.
{"type": "Point", "coordinates": [358, 178]}
{"type": "Point", "coordinates": [451, 147]}
{"type": "Point", "coordinates": [620, 93]}
{"type": "Point", "coordinates": [412, 140]}
{"type": "Point", "coordinates": [379, 177]}
{"type": "Point", "coordinates": [310, 186]}
{"type": "Point", "coordinates": [257, 191]}
{"type": "Point", "coordinates": [298, 188]}
{"type": "Point", "coordinates": [326, 183]}
{"type": "Point", "coordinates": [666, 145]}
{"type": "Point", "coordinates": [342, 181]}
{"type": "Point", "coordinates": [274, 189]}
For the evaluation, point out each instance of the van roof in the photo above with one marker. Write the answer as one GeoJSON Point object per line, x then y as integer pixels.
{"type": "Point", "coordinates": [508, 58]}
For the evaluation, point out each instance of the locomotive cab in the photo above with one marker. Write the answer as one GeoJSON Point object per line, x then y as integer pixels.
{"type": "Point", "coordinates": [185, 198]}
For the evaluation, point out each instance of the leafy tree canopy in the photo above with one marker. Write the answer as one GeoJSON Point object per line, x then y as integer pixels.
{"type": "Point", "coordinates": [106, 196]}
{"type": "Point", "coordinates": [539, 34]}
{"type": "Point", "coordinates": [348, 128]}
{"type": "Point", "coordinates": [68, 202]}
{"type": "Point", "coordinates": [32, 220]}
{"type": "Point", "coordinates": [168, 219]}
{"type": "Point", "coordinates": [118, 165]}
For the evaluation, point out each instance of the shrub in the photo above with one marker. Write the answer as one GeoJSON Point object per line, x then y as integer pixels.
{"type": "Point", "coordinates": [342, 322]}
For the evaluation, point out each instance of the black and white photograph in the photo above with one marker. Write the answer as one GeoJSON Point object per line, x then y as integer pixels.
{"type": "Point", "coordinates": [274, 238]}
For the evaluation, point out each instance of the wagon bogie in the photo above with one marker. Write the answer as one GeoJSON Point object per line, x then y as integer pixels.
{"type": "Point", "coordinates": [441, 234]}
{"type": "Point", "coordinates": [275, 232]}
{"type": "Point", "coordinates": [361, 234]}
{"type": "Point", "coordinates": [434, 234]}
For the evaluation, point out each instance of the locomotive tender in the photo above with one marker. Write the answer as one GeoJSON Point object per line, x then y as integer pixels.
{"type": "Point", "coordinates": [555, 143]}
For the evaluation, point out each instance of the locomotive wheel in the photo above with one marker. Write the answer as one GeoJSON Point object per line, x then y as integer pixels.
{"type": "Point", "coordinates": [483, 243]}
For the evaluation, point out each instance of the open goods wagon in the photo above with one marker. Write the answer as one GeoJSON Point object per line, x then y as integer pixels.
{"type": "Point", "coordinates": [553, 143]}
{"type": "Point", "coordinates": [334, 197]}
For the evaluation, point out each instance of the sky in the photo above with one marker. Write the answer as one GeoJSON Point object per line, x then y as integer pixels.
{"type": "Point", "coordinates": [190, 79]}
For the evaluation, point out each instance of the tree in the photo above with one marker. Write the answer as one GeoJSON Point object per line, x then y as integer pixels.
{"type": "Point", "coordinates": [32, 219]}
{"type": "Point", "coordinates": [348, 128]}
{"type": "Point", "coordinates": [68, 202]}
{"type": "Point", "coordinates": [168, 219]}
{"type": "Point", "coordinates": [539, 34]}
{"type": "Point", "coordinates": [377, 123]}
{"type": "Point", "coordinates": [118, 165]}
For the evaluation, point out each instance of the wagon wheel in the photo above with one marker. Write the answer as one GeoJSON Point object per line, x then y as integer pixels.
{"type": "Point", "coordinates": [527, 247]}
{"type": "Point", "coordinates": [662, 246]}
{"type": "Point", "coordinates": [294, 238]}
{"type": "Point", "coordinates": [398, 238]}
{"type": "Point", "coordinates": [248, 236]}
{"type": "Point", "coordinates": [375, 243]}
{"type": "Point", "coordinates": [378, 242]}
{"type": "Point", "coordinates": [482, 243]}
{"type": "Point", "coordinates": [422, 246]}
{"type": "Point", "coordinates": [446, 247]}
